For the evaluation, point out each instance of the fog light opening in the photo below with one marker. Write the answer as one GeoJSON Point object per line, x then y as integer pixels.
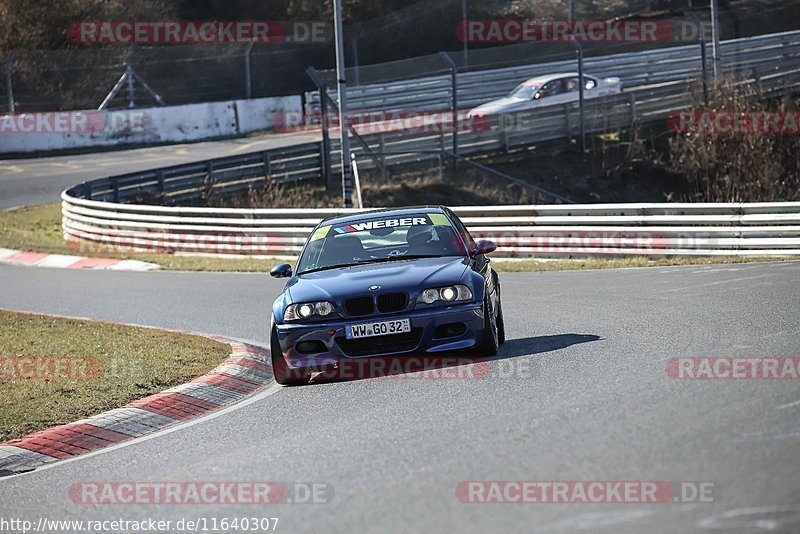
{"type": "Point", "coordinates": [310, 347]}
{"type": "Point", "coordinates": [450, 330]}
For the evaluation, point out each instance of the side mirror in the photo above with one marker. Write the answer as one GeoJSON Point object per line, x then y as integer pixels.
{"type": "Point", "coordinates": [284, 270]}
{"type": "Point", "coordinates": [484, 246]}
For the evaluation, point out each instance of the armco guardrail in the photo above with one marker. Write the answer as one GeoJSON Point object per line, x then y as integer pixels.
{"type": "Point", "coordinates": [758, 229]}
{"type": "Point", "coordinates": [754, 56]}
{"type": "Point", "coordinates": [188, 182]}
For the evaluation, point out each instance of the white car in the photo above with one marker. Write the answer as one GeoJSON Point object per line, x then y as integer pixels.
{"type": "Point", "coordinates": [546, 90]}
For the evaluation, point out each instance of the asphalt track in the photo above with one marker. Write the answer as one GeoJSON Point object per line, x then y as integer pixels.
{"type": "Point", "coordinates": [579, 392]}
{"type": "Point", "coordinates": [26, 181]}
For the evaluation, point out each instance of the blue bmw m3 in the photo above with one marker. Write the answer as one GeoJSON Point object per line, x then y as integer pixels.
{"type": "Point", "coordinates": [402, 282]}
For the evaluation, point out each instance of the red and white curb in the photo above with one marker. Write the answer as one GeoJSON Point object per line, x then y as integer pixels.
{"type": "Point", "coordinates": [62, 261]}
{"type": "Point", "coordinates": [246, 370]}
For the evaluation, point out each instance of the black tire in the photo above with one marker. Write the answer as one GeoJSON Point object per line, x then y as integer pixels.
{"type": "Point", "coordinates": [501, 323]}
{"type": "Point", "coordinates": [490, 341]}
{"type": "Point", "coordinates": [285, 375]}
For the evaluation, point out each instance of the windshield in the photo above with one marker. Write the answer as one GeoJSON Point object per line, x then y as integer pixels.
{"type": "Point", "coordinates": [379, 239]}
{"type": "Point", "coordinates": [524, 90]}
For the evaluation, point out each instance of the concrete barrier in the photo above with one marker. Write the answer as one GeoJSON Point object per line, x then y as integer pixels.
{"type": "Point", "coordinates": [64, 130]}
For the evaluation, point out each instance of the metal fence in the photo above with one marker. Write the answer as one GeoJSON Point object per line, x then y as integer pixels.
{"type": "Point", "coordinates": [657, 82]}
{"type": "Point", "coordinates": [753, 57]}
{"type": "Point", "coordinates": [196, 182]}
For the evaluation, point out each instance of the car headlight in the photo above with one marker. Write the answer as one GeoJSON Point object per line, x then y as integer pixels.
{"type": "Point", "coordinates": [305, 310]}
{"type": "Point", "coordinates": [456, 293]}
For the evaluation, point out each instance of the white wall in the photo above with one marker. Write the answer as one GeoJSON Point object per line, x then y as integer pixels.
{"type": "Point", "coordinates": [169, 124]}
{"type": "Point", "coordinates": [260, 114]}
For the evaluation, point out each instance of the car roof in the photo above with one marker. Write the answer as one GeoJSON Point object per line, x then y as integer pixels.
{"type": "Point", "coordinates": [386, 212]}
{"type": "Point", "coordinates": [551, 77]}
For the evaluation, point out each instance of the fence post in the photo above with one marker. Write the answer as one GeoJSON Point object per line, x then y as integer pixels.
{"type": "Point", "coordinates": [581, 87]}
{"type": "Point", "coordinates": [129, 79]}
{"type": "Point", "coordinates": [9, 86]}
{"type": "Point", "coordinates": [382, 148]}
{"type": "Point", "coordinates": [464, 35]}
{"type": "Point", "coordinates": [354, 46]}
{"type": "Point", "coordinates": [326, 138]}
{"type": "Point", "coordinates": [357, 180]}
{"type": "Point", "coordinates": [701, 27]}
{"type": "Point", "coordinates": [266, 157]}
{"type": "Point", "coordinates": [504, 134]}
{"type": "Point", "coordinates": [454, 92]}
{"type": "Point", "coordinates": [341, 85]}
{"type": "Point", "coordinates": [715, 52]}
{"type": "Point", "coordinates": [248, 85]}
{"type": "Point", "coordinates": [634, 126]}
{"type": "Point", "coordinates": [568, 121]}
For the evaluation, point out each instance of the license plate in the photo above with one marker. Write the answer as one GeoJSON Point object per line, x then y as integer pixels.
{"type": "Point", "coordinates": [382, 328]}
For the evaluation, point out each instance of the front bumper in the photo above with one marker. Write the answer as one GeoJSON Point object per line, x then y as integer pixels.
{"type": "Point", "coordinates": [422, 340]}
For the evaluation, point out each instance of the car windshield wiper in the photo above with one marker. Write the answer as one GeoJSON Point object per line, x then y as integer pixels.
{"type": "Point", "coordinates": [395, 258]}
{"type": "Point", "coordinates": [367, 262]}
{"type": "Point", "coordinates": [327, 267]}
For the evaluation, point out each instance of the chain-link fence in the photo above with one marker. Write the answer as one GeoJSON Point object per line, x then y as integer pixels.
{"type": "Point", "coordinates": [47, 80]}
{"type": "Point", "coordinates": [82, 78]}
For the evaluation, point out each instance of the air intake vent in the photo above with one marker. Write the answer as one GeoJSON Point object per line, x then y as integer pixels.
{"type": "Point", "coordinates": [392, 302]}
{"type": "Point", "coordinates": [359, 306]}
{"type": "Point", "coordinates": [372, 346]}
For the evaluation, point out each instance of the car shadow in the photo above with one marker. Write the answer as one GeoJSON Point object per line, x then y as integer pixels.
{"type": "Point", "coordinates": [450, 365]}
{"type": "Point", "coordinates": [539, 344]}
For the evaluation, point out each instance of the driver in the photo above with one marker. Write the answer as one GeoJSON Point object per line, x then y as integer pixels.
{"type": "Point", "coordinates": [423, 239]}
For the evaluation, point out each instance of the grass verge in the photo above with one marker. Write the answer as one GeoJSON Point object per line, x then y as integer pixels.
{"type": "Point", "coordinates": [57, 370]}
{"type": "Point", "coordinates": [38, 229]}
{"type": "Point", "coordinates": [531, 265]}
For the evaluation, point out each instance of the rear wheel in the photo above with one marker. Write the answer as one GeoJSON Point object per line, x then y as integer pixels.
{"type": "Point", "coordinates": [285, 375]}
{"type": "Point", "coordinates": [490, 341]}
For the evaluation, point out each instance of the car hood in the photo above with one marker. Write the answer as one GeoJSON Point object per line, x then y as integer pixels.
{"type": "Point", "coordinates": [409, 276]}
{"type": "Point", "coordinates": [501, 104]}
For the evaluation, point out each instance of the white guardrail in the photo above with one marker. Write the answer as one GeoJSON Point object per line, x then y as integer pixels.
{"type": "Point", "coordinates": [696, 229]}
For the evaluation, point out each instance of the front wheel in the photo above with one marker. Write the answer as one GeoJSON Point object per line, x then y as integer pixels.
{"type": "Point", "coordinates": [501, 323]}
{"type": "Point", "coordinates": [285, 375]}
{"type": "Point", "coordinates": [490, 341]}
